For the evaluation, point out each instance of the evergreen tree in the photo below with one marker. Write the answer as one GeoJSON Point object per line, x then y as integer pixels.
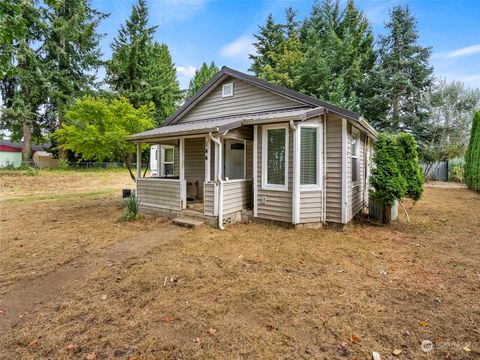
{"type": "Point", "coordinates": [409, 166]}
{"type": "Point", "coordinates": [472, 158]}
{"type": "Point", "coordinates": [140, 67]}
{"type": "Point", "coordinates": [200, 78]}
{"type": "Point", "coordinates": [404, 64]}
{"type": "Point", "coordinates": [72, 54]}
{"type": "Point", "coordinates": [23, 88]}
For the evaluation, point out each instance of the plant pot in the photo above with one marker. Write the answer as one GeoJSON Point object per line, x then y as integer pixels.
{"type": "Point", "coordinates": [126, 193]}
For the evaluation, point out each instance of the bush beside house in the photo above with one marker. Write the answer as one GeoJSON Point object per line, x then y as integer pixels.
{"type": "Point", "coordinates": [472, 158]}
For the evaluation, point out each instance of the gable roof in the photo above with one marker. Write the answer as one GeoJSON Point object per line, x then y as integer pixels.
{"type": "Point", "coordinates": [277, 89]}
{"type": "Point", "coordinates": [19, 145]}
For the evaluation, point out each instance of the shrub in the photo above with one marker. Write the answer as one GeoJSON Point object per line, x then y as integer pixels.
{"type": "Point", "coordinates": [31, 171]}
{"type": "Point", "coordinates": [62, 164]}
{"type": "Point", "coordinates": [472, 158]}
{"type": "Point", "coordinates": [130, 213]}
{"type": "Point", "coordinates": [456, 169]}
{"type": "Point", "coordinates": [409, 165]}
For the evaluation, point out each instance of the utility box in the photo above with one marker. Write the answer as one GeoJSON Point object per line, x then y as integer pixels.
{"type": "Point", "coordinates": [375, 209]}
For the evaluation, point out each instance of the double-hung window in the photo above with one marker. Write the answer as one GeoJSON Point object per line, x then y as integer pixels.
{"type": "Point", "coordinates": [355, 156]}
{"type": "Point", "coordinates": [275, 157]}
{"type": "Point", "coordinates": [310, 156]}
{"type": "Point", "coordinates": [167, 161]}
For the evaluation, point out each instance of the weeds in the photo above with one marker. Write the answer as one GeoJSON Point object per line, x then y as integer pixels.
{"type": "Point", "coordinates": [130, 213]}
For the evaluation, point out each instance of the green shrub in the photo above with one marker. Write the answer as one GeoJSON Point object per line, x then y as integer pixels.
{"type": "Point", "coordinates": [31, 171]}
{"type": "Point", "coordinates": [409, 165]}
{"type": "Point", "coordinates": [130, 213]}
{"type": "Point", "coordinates": [456, 170]}
{"type": "Point", "coordinates": [63, 164]}
{"type": "Point", "coordinates": [472, 158]}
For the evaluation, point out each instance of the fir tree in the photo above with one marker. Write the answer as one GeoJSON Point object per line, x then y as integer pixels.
{"type": "Point", "coordinates": [409, 165]}
{"type": "Point", "coordinates": [200, 78]}
{"type": "Point", "coordinates": [472, 158]}
{"type": "Point", "coordinates": [404, 64]}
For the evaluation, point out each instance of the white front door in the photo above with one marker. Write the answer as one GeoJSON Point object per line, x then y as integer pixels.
{"type": "Point", "coordinates": [234, 159]}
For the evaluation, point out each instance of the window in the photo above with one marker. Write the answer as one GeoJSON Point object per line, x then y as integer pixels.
{"type": "Point", "coordinates": [309, 155]}
{"type": "Point", "coordinates": [167, 160]}
{"type": "Point", "coordinates": [275, 157]}
{"type": "Point", "coordinates": [227, 90]}
{"type": "Point", "coordinates": [355, 155]}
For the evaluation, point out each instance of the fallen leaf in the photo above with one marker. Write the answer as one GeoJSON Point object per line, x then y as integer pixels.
{"type": "Point", "coordinates": [91, 356]}
{"type": "Point", "coordinates": [396, 352]}
{"type": "Point", "coordinates": [271, 327]}
{"type": "Point", "coordinates": [343, 343]}
{"type": "Point", "coordinates": [466, 349]}
{"type": "Point", "coordinates": [104, 297]}
{"type": "Point", "coordinates": [132, 358]}
{"type": "Point", "coordinates": [24, 314]}
{"type": "Point", "coordinates": [197, 340]}
{"type": "Point", "coordinates": [212, 331]}
{"type": "Point", "coordinates": [167, 319]}
{"type": "Point", "coordinates": [71, 346]}
{"type": "Point", "coordinates": [2, 312]}
{"type": "Point", "coordinates": [423, 323]}
{"type": "Point", "coordinates": [354, 339]}
{"type": "Point", "coordinates": [376, 356]}
{"type": "Point", "coordinates": [32, 342]}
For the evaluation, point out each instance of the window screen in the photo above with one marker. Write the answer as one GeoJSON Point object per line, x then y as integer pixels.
{"type": "Point", "coordinates": [308, 156]}
{"type": "Point", "coordinates": [355, 159]}
{"type": "Point", "coordinates": [276, 139]}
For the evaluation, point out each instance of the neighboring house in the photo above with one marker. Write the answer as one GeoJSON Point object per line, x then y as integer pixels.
{"type": "Point", "coordinates": [11, 153]}
{"type": "Point", "coordinates": [242, 143]}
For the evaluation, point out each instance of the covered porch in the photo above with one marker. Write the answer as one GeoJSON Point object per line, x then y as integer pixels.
{"type": "Point", "coordinates": [204, 170]}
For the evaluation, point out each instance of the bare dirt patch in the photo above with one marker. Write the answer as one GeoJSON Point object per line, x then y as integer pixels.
{"type": "Point", "coordinates": [258, 291]}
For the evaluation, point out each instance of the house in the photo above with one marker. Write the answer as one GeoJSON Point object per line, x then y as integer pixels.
{"type": "Point", "coordinates": [11, 152]}
{"type": "Point", "coordinates": [242, 146]}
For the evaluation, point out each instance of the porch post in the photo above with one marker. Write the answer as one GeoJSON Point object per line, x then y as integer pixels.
{"type": "Point", "coordinates": [255, 178]}
{"type": "Point", "coordinates": [139, 161]}
{"type": "Point", "coordinates": [207, 158]}
{"type": "Point", "coordinates": [159, 160]}
{"type": "Point", "coordinates": [183, 184]}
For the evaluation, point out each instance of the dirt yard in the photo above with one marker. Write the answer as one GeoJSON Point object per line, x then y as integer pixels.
{"type": "Point", "coordinates": [77, 284]}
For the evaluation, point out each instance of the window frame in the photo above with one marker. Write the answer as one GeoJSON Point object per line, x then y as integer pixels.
{"type": "Point", "coordinates": [319, 185]}
{"type": "Point", "coordinates": [223, 90]}
{"type": "Point", "coordinates": [163, 162]}
{"type": "Point", "coordinates": [355, 135]}
{"type": "Point", "coordinates": [265, 184]}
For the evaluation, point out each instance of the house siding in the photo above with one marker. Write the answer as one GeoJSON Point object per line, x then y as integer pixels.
{"type": "Point", "coordinates": [278, 204]}
{"type": "Point", "coordinates": [195, 162]}
{"type": "Point", "coordinates": [333, 168]}
{"type": "Point", "coordinates": [310, 206]}
{"type": "Point", "coordinates": [246, 99]}
{"type": "Point", "coordinates": [355, 192]}
{"type": "Point", "coordinates": [209, 198]}
{"type": "Point", "coordinates": [159, 193]}
{"type": "Point", "coordinates": [237, 195]}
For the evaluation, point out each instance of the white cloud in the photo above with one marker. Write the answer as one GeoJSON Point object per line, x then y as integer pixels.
{"type": "Point", "coordinates": [165, 11]}
{"type": "Point", "coordinates": [240, 48]}
{"type": "Point", "coordinates": [466, 51]}
{"type": "Point", "coordinates": [187, 71]}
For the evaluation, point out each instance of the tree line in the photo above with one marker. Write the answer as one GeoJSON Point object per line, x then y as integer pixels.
{"type": "Point", "coordinates": [50, 55]}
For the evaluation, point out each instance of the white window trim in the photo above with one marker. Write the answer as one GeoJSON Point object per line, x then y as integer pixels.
{"type": "Point", "coordinates": [228, 95]}
{"type": "Point", "coordinates": [356, 134]}
{"type": "Point", "coordinates": [319, 185]}
{"type": "Point", "coordinates": [163, 162]}
{"type": "Point", "coordinates": [265, 185]}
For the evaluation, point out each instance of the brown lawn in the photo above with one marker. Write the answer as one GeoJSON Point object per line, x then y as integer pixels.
{"type": "Point", "coordinates": [148, 290]}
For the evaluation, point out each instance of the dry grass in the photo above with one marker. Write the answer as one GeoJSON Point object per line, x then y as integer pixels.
{"type": "Point", "coordinates": [267, 291]}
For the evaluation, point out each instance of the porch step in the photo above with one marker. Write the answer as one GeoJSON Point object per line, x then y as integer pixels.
{"type": "Point", "coordinates": [193, 214]}
{"type": "Point", "coordinates": [187, 222]}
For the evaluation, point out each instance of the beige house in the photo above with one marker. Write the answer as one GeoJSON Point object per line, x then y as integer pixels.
{"type": "Point", "coordinates": [243, 147]}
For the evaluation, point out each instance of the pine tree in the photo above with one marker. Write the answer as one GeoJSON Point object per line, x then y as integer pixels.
{"type": "Point", "coordinates": [472, 158]}
{"type": "Point", "coordinates": [23, 88]}
{"type": "Point", "coordinates": [140, 67]}
{"type": "Point", "coordinates": [200, 78]}
{"type": "Point", "coordinates": [404, 64]}
{"type": "Point", "coordinates": [409, 165]}
{"type": "Point", "coordinates": [73, 55]}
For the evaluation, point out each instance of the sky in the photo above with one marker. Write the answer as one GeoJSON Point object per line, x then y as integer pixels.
{"type": "Point", "coordinates": [198, 31]}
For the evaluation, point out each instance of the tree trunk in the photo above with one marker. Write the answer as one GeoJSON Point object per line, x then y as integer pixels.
{"type": "Point", "coordinates": [128, 164]}
{"type": "Point", "coordinates": [27, 143]}
{"type": "Point", "coordinates": [386, 215]}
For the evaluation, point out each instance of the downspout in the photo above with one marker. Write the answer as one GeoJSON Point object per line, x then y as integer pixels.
{"type": "Point", "coordinates": [324, 172]}
{"type": "Point", "coordinates": [219, 179]}
{"type": "Point", "coordinates": [295, 207]}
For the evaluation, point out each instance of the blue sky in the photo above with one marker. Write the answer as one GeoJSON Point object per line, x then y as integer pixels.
{"type": "Point", "coordinates": [221, 30]}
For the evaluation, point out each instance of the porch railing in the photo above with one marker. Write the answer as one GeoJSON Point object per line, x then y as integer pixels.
{"type": "Point", "coordinates": [237, 195]}
{"type": "Point", "coordinates": [159, 193]}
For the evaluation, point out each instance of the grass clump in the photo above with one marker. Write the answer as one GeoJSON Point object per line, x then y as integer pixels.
{"type": "Point", "coordinates": [130, 213]}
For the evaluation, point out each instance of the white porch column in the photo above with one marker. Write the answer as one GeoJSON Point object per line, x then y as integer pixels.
{"type": "Point", "coordinates": [183, 183]}
{"type": "Point", "coordinates": [255, 178]}
{"type": "Point", "coordinates": [207, 158]}
{"type": "Point", "coordinates": [159, 160]}
{"type": "Point", "coordinates": [139, 161]}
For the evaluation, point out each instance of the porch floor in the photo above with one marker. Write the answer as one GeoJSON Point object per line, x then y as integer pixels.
{"type": "Point", "coordinates": [196, 205]}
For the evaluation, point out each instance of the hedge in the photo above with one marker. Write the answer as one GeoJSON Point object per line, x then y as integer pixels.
{"type": "Point", "coordinates": [472, 158]}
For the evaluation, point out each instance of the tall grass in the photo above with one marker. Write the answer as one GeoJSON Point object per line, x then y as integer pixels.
{"type": "Point", "coordinates": [130, 213]}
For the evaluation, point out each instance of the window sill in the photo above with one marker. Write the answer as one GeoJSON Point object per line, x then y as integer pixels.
{"type": "Point", "coordinates": [275, 188]}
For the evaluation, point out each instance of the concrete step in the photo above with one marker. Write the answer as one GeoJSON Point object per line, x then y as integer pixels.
{"type": "Point", "coordinates": [193, 214]}
{"type": "Point", "coordinates": [187, 222]}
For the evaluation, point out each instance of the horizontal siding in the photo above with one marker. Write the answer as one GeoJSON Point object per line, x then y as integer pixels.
{"type": "Point", "coordinates": [355, 192]}
{"type": "Point", "coordinates": [237, 195]}
{"type": "Point", "coordinates": [246, 99]}
{"type": "Point", "coordinates": [333, 174]}
{"type": "Point", "coordinates": [249, 150]}
{"type": "Point", "coordinates": [278, 204]}
{"type": "Point", "coordinates": [310, 206]}
{"type": "Point", "coordinates": [209, 198]}
{"type": "Point", "coordinates": [164, 194]}
{"type": "Point", "coordinates": [195, 162]}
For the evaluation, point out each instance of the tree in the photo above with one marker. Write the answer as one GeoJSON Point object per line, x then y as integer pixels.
{"type": "Point", "coordinates": [409, 166]}
{"type": "Point", "coordinates": [72, 55]}
{"type": "Point", "coordinates": [96, 128]}
{"type": "Point", "coordinates": [23, 88]}
{"type": "Point", "coordinates": [404, 64]}
{"type": "Point", "coordinates": [451, 106]}
{"type": "Point", "coordinates": [12, 26]}
{"type": "Point", "coordinates": [142, 70]}
{"type": "Point", "coordinates": [387, 181]}
{"type": "Point", "coordinates": [200, 78]}
{"type": "Point", "coordinates": [472, 158]}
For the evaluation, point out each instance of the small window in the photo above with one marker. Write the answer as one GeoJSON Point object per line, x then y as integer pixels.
{"type": "Point", "coordinates": [275, 157]}
{"type": "Point", "coordinates": [167, 161]}
{"type": "Point", "coordinates": [355, 156]}
{"type": "Point", "coordinates": [227, 90]}
{"type": "Point", "coordinates": [308, 156]}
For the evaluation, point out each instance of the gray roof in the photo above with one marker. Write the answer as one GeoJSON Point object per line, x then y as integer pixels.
{"type": "Point", "coordinates": [19, 145]}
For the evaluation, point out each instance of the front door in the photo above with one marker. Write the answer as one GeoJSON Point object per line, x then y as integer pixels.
{"type": "Point", "coordinates": [234, 159]}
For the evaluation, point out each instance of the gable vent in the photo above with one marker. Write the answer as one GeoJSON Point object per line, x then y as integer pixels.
{"type": "Point", "coordinates": [227, 90]}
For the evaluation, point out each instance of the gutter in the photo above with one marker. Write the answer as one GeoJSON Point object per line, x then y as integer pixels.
{"type": "Point", "coordinates": [220, 181]}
